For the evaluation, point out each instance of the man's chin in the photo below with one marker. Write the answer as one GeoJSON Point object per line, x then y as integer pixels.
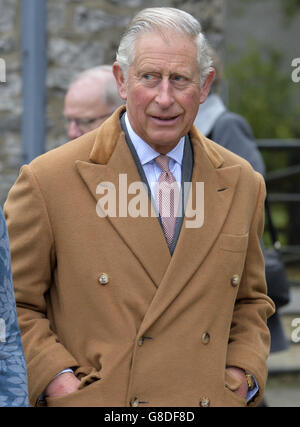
{"type": "Point", "coordinates": [163, 144]}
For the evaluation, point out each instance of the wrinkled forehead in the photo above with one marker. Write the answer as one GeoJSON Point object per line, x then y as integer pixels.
{"type": "Point", "coordinates": [169, 49]}
{"type": "Point", "coordinates": [173, 41]}
{"type": "Point", "coordinates": [167, 35]}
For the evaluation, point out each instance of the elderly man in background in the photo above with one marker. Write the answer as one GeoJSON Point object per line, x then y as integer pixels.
{"type": "Point", "coordinates": [92, 97]}
{"type": "Point", "coordinates": [164, 307]}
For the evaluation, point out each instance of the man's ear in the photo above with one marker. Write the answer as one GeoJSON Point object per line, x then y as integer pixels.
{"type": "Point", "coordinates": [207, 85]}
{"type": "Point", "coordinates": [120, 79]}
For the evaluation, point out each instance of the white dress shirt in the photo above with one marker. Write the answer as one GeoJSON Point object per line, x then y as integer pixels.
{"type": "Point", "coordinates": [147, 154]}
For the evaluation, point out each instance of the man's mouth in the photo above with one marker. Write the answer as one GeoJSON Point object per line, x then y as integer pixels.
{"type": "Point", "coordinates": [166, 119]}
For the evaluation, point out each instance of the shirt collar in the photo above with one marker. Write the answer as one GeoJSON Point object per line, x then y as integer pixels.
{"type": "Point", "coordinates": [146, 153]}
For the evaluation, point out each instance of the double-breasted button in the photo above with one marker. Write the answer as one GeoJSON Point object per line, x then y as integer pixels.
{"type": "Point", "coordinates": [134, 402]}
{"type": "Point", "coordinates": [205, 338]}
{"type": "Point", "coordinates": [204, 402]}
{"type": "Point", "coordinates": [235, 280]}
{"type": "Point", "coordinates": [103, 279]}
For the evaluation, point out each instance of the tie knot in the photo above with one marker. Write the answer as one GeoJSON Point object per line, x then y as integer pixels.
{"type": "Point", "coordinates": [163, 163]}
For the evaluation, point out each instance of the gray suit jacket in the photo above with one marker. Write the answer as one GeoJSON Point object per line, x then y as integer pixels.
{"type": "Point", "coordinates": [233, 132]}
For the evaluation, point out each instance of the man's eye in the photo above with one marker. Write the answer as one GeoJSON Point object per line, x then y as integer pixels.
{"type": "Point", "coordinates": [149, 77]}
{"type": "Point", "coordinates": [179, 79]}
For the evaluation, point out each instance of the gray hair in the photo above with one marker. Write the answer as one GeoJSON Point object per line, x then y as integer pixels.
{"type": "Point", "coordinates": [160, 19]}
{"type": "Point", "coordinates": [109, 90]}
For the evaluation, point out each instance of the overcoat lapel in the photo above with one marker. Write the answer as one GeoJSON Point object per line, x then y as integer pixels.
{"type": "Point", "coordinates": [143, 235]}
{"type": "Point", "coordinates": [195, 243]}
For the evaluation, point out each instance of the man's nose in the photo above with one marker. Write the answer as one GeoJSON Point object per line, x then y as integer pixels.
{"type": "Point", "coordinates": [73, 131]}
{"type": "Point", "coordinates": [165, 94]}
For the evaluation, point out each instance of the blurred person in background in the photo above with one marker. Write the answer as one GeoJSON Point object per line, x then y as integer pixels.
{"type": "Point", "coordinates": [13, 376]}
{"type": "Point", "coordinates": [92, 97]}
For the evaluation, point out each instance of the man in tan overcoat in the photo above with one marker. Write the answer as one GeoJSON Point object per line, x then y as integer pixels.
{"type": "Point", "coordinates": [120, 303]}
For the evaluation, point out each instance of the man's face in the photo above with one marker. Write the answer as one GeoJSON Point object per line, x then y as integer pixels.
{"type": "Point", "coordinates": [163, 89]}
{"type": "Point", "coordinates": [84, 109]}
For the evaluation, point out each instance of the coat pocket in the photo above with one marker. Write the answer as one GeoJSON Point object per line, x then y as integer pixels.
{"type": "Point", "coordinates": [85, 395]}
{"type": "Point", "coordinates": [87, 375]}
{"type": "Point", "coordinates": [234, 242]}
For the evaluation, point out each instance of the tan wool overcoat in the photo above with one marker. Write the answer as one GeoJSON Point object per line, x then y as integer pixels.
{"type": "Point", "coordinates": [103, 295]}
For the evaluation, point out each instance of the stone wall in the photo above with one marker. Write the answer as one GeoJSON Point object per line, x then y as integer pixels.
{"type": "Point", "coordinates": [80, 34]}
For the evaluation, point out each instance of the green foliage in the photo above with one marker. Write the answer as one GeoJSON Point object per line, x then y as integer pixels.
{"type": "Point", "coordinates": [261, 89]}
{"type": "Point", "coordinates": [290, 7]}
{"type": "Point", "coordinates": [280, 217]}
{"type": "Point", "coordinates": [262, 93]}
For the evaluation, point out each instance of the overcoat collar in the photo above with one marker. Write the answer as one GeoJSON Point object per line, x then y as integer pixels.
{"type": "Point", "coordinates": [111, 157]}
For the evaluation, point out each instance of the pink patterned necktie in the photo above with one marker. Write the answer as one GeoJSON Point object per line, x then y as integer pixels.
{"type": "Point", "coordinates": [167, 197]}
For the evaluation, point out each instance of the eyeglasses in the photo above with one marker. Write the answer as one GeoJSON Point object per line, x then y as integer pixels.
{"type": "Point", "coordinates": [84, 124]}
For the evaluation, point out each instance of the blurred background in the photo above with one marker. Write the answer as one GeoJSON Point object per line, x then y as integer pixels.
{"type": "Point", "coordinates": [44, 44]}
